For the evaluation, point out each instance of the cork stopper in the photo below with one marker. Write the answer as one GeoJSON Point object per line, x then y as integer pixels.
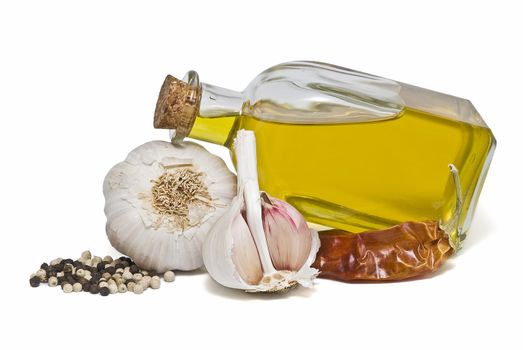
{"type": "Point", "coordinates": [177, 106]}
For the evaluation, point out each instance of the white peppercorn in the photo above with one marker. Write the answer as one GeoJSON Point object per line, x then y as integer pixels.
{"type": "Point", "coordinates": [56, 261]}
{"type": "Point", "coordinates": [120, 271]}
{"type": "Point", "coordinates": [103, 284]}
{"type": "Point", "coordinates": [67, 288]}
{"type": "Point", "coordinates": [137, 277]}
{"type": "Point", "coordinates": [138, 289]}
{"type": "Point", "coordinates": [155, 282]}
{"type": "Point", "coordinates": [77, 287]}
{"type": "Point", "coordinates": [130, 286]}
{"type": "Point", "coordinates": [41, 274]}
{"type": "Point", "coordinates": [122, 288]}
{"type": "Point", "coordinates": [113, 288]}
{"type": "Point", "coordinates": [86, 255]}
{"type": "Point", "coordinates": [88, 262]}
{"type": "Point", "coordinates": [168, 276]}
{"type": "Point", "coordinates": [145, 281]}
{"type": "Point", "coordinates": [127, 275]}
{"type": "Point", "coordinates": [117, 275]}
{"type": "Point", "coordinates": [52, 282]}
{"type": "Point", "coordinates": [80, 272]}
{"type": "Point", "coordinates": [107, 259]}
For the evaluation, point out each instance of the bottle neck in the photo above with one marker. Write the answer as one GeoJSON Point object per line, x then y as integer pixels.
{"type": "Point", "coordinates": [219, 102]}
{"type": "Point", "coordinates": [218, 112]}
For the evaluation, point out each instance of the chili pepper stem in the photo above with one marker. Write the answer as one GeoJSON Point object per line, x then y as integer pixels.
{"type": "Point", "coordinates": [451, 226]}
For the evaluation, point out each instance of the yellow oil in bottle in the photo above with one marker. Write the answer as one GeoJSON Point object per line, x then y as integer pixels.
{"type": "Point", "coordinates": [361, 176]}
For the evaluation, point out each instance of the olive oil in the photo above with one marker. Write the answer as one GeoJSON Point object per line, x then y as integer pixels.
{"type": "Point", "coordinates": [348, 149]}
{"type": "Point", "coordinates": [362, 176]}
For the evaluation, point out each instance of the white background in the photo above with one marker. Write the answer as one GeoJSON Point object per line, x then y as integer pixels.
{"type": "Point", "coordinates": [78, 86]}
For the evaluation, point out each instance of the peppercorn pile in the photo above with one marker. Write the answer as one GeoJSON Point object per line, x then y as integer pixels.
{"type": "Point", "coordinates": [97, 276]}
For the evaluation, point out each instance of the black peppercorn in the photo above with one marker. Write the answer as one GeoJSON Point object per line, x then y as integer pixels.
{"type": "Point", "coordinates": [61, 280]}
{"type": "Point", "coordinates": [134, 269]}
{"type": "Point", "coordinates": [100, 266]}
{"type": "Point", "coordinates": [71, 279]}
{"type": "Point", "coordinates": [104, 291]}
{"type": "Point", "coordinates": [111, 270]}
{"type": "Point", "coordinates": [68, 268]}
{"type": "Point", "coordinates": [34, 281]}
{"type": "Point", "coordinates": [68, 261]}
{"type": "Point", "coordinates": [86, 286]}
{"type": "Point", "coordinates": [94, 280]}
{"type": "Point", "coordinates": [78, 264]}
{"type": "Point", "coordinates": [94, 289]}
{"type": "Point", "coordinates": [44, 266]}
{"type": "Point", "coordinates": [119, 266]}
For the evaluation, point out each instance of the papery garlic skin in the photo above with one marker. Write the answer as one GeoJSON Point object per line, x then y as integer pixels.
{"type": "Point", "coordinates": [135, 226]}
{"type": "Point", "coordinates": [261, 244]}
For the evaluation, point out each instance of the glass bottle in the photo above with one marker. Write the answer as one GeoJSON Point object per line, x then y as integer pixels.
{"type": "Point", "coordinates": [348, 149]}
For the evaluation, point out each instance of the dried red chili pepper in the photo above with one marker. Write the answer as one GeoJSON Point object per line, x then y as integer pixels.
{"type": "Point", "coordinates": [407, 250]}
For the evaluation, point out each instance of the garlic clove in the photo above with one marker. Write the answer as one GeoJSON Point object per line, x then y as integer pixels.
{"type": "Point", "coordinates": [244, 252]}
{"type": "Point", "coordinates": [306, 273]}
{"type": "Point", "coordinates": [288, 236]}
{"type": "Point", "coordinates": [218, 246]}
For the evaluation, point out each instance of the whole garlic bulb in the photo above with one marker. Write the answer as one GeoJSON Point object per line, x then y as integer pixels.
{"type": "Point", "coordinates": [261, 244]}
{"type": "Point", "coordinates": [161, 202]}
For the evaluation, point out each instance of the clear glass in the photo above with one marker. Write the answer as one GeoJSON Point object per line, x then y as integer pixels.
{"type": "Point", "coordinates": [351, 150]}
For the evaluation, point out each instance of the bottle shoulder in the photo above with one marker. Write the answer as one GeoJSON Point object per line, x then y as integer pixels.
{"type": "Point", "coordinates": [319, 93]}
{"type": "Point", "coordinates": [308, 92]}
